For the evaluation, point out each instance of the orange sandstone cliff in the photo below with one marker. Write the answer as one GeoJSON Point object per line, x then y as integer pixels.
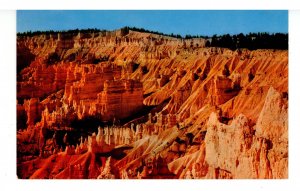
{"type": "Point", "coordinates": [125, 104]}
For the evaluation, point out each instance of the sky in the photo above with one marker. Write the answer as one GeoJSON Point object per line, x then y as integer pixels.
{"type": "Point", "coordinates": [178, 22]}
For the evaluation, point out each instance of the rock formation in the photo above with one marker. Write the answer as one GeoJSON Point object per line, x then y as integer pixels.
{"type": "Point", "coordinates": [126, 104]}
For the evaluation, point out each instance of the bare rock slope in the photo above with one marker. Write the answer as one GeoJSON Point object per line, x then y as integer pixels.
{"type": "Point", "coordinates": [125, 104]}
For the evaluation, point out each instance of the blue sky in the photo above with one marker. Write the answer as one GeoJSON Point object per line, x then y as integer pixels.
{"type": "Point", "coordinates": [177, 22]}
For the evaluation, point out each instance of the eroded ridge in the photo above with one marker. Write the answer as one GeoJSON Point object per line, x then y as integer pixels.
{"type": "Point", "coordinates": [126, 104]}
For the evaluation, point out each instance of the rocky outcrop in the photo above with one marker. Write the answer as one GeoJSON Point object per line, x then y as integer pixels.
{"type": "Point", "coordinates": [120, 99]}
{"type": "Point", "coordinates": [107, 172]}
{"type": "Point", "coordinates": [33, 110]}
{"type": "Point", "coordinates": [126, 104]}
{"type": "Point", "coordinates": [235, 151]}
{"type": "Point", "coordinates": [272, 126]}
{"type": "Point", "coordinates": [225, 147]}
{"type": "Point", "coordinates": [94, 91]}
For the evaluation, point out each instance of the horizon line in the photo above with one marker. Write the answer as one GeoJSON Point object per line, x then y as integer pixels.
{"type": "Point", "coordinates": [146, 31]}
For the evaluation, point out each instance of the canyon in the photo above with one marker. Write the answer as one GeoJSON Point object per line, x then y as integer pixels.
{"type": "Point", "coordinates": [135, 105]}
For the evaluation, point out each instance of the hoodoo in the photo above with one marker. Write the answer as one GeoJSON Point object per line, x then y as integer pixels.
{"type": "Point", "coordinates": [130, 104]}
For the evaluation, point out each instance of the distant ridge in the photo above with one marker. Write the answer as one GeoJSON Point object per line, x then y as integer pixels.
{"type": "Point", "coordinates": [251, 41]}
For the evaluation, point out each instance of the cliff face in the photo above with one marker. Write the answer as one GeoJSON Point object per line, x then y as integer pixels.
{"type": "Point", "coordinates": [165, 108]}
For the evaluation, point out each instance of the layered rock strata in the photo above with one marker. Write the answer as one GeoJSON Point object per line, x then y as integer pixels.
{"type": "Point", "coordinates": [138, 105]}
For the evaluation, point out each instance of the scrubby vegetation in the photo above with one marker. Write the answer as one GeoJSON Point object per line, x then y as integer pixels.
{"type": "Point", "coordinates": [250, 41]}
